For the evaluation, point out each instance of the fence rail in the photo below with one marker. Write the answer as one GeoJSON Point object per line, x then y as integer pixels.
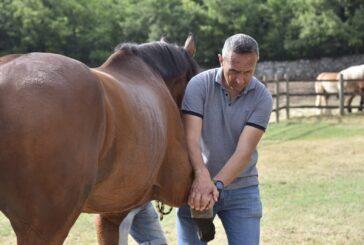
{"type": "Point", "coordinates": [279, 95]}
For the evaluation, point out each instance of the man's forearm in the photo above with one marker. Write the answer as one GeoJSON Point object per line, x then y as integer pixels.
{"type": "Point", "coordinates": [237, 163]}
{"type": "Point", "coordinates": [197, 162]}
{"type": "Point", "coordinates": [232, 169]}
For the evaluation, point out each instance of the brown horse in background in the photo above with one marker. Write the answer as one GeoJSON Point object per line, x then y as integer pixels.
{"type": "Point", "coordinates": [330, 84]}
{"type": "Point", "coordinates": [103, 140]}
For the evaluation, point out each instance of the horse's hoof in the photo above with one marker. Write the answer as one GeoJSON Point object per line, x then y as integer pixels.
{"type": "Point", "coordinates": [206, 229]}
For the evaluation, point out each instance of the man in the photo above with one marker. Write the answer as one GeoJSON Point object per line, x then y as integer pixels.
{"type": "Point", "coordinates": [225, 112]}
{"type": "Point", "coordinates": [143, 225]}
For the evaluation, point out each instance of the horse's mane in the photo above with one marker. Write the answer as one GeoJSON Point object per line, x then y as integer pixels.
{"type": "Point", "coordinates": [169, 60]}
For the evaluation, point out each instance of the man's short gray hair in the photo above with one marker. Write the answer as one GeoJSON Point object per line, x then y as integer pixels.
{"type": "Point", "coordinates": [240, 43]}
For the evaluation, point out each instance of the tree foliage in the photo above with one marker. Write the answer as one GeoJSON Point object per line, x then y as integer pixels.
{"type": "Point", "coordinates": [89, 30]}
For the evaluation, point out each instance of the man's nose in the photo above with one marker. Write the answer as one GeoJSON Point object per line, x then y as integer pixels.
{"type": "Point", "coordinates": [239, 79]}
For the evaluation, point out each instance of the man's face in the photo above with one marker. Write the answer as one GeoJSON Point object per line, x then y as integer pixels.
{"type": "Point", "coordinates": [238, 70]}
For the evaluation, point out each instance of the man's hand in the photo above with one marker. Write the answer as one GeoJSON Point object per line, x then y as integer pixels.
{"type": "Point", "coordinates": [203, 194]}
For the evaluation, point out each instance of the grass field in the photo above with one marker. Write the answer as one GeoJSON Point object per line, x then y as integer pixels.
{"type": "Point", "coordinates": [312, 186]}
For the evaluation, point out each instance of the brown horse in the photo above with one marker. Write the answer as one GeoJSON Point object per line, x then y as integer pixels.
{"type": "Point", "coordinates": [103, 140]}
{"type": "Point", "coordinates": [329, 83]}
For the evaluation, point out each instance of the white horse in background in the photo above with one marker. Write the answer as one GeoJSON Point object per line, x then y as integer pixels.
{"type": "Point", "coordinates": [329, 84]}
{"type": "Point", "coordinates": [353, 73]}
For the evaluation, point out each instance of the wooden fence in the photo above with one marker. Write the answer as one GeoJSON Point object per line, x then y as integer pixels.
{"type": "Point", "coordinates": [282, 99]}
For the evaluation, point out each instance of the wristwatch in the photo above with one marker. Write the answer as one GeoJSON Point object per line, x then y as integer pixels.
{"type": "Point", "coordinates": [219, 185]}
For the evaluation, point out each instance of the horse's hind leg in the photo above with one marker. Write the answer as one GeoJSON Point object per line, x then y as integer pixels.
{"type": "Point", "coordinates": [361, 102]}
{"type": "Point", "coordinates": [349, 103]}
{"type": "Point", "coordinates": [318, 104]}
{"type": "Point", "coordinates": [325, 103]}
{"type": "Point", "coordinates": [45, 229]}
{"type": "Point", "coordinates": [107, 228]}
{"type": "Point", "coordinates": [43, 185]}
{"type": "Point", "coordinates": [43, 197]}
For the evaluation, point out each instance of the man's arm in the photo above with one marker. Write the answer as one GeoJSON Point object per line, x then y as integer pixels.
{"type": "Point", "coordinates": [203, 194]}
{"type": "Point", "coordinates": [248, 140]}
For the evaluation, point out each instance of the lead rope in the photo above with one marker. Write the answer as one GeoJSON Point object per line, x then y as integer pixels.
{"type": "Point", "coordinates": [162, 209]}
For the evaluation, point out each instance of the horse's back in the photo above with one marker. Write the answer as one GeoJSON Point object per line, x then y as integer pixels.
{"type": "Point", "coordinates": [39, 87]}
{"type": "Point", "coordinates": [51, 116]}
{"type": "Point", "coordinates": [326, 82]}
{"type": "Point", "coordinates": [353, 72]}
{"type": "Point", "coordinates": [330, 76]}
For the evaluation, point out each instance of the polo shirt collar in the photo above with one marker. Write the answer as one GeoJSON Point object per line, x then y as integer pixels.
{"type": "Point", "coordinates": [251, 85]}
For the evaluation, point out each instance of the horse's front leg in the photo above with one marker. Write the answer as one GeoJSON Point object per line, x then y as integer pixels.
{"type": "Point", "coordinates": [318, 104]}
{"type": "Point", "coordinates": [107, 228]}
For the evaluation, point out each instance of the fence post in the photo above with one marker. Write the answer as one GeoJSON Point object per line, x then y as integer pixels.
{"type": "Point", "coordinates": [264, 81]}
{"type": "Point", "coordinates": [277, 97]}
{"type": "Point", "coordinates": [341, 94]}
{"type": "Point", "coordinates": [287, 96]}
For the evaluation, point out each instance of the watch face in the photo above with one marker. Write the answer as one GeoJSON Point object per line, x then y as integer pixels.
{"type": "Point", "coordinates": [219, 185]}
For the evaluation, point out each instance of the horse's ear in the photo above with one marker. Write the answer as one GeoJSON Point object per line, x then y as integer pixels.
{"type": "Point", "coordinates": [190, 45]}
{"type": "Point", "coordinates": [164, 39]}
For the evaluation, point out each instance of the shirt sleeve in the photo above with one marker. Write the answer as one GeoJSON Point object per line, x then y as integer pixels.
{"type": "Point", "coordinates": [261, 113]}
{"type": "Point", "coordinates": [194, 97]}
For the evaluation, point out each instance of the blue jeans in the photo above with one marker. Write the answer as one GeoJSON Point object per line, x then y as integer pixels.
{"type": "Point", "coordinates": [143, 225]}
{"type": "Point", "coordinates": [239, 210]}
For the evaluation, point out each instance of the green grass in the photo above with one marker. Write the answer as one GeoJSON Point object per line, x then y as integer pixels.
{"type": "Point", "coordinates": [312, 186]}
{"type": "Point", "coordinates": [312, 181]}
{"type": "Point", "coordinates": [316, 128]}
{"type": "Point", "coordinates": [314, 211]}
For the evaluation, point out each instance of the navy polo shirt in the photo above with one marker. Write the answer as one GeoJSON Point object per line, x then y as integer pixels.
{"type": "Point", "coordinates": [224, 119]}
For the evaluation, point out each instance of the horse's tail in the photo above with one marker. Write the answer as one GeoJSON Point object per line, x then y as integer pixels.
{"type": "Point", "coordinates": [319, 88]}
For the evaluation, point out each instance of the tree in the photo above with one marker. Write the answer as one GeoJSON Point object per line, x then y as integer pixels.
{"type": "Point", "coordinates": [88, 30]}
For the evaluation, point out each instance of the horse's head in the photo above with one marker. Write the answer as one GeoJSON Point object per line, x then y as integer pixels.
{"type": "Point", "coordinates": [174, 64]}
{"type": "Point", "coordinates": [178, 84]}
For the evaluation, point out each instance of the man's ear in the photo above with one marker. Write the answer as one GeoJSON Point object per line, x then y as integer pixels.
{"type": "Point", "coordinates": [221, 59]}
{"type": "Point", "coordinates": [190, 45]}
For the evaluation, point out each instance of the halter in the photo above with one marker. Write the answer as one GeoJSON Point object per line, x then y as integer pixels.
{"type": "Point", "coordinates": [161, 209]}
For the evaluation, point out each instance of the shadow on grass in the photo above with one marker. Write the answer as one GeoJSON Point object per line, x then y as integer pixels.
{"type": "Point", "coordinates": [316, 127]}
{"type": "Point", "coordinates": [295, 131]}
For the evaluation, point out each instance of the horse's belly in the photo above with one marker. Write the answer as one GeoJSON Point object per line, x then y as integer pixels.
{"type": "Point", "coordinates": [129, 169]}
{"type": "Point", "coordinates": [330, 87]}
{"type": "Point", "coordinates": [131, 175]}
